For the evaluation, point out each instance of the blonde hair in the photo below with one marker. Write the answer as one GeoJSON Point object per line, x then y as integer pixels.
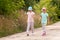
{"type": "Point", "coordinates": [43, 8]}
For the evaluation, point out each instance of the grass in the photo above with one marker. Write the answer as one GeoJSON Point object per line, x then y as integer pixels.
{"type": "Point", "coordinates": [10, 26]}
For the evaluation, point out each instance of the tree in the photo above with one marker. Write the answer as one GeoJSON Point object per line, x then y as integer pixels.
{"type": "Point", "coordinates": [9, 7]}
{"type": "Point", "coordinates": [30, 3]}
{"type": "Point", "coordinates": [56, 3]}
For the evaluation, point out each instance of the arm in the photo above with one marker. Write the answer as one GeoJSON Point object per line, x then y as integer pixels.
{"type": "Point", "coordinates": [48, 20]}
{"type": "Point", "coordinates": [33, 15]}
{"type": "Point", "coordinates": [41, 16]}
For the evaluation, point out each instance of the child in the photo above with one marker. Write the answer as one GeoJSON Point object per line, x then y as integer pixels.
{"type": "Point", "coordinates": [44, 18]}
{"type": "Point", "coordinates": [30, 20]}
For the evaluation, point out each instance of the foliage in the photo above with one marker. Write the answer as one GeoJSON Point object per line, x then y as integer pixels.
{"type": "Point", "coordinates": [51, 10]}
{"type": "Point", "coordinates": [56, 3]}
{"type": "Point", "coordinates": [13, 20]}
{"type": "Point", "coordinates": [10, 7]}
{"type": "Point", "coordinates": [30, 3]}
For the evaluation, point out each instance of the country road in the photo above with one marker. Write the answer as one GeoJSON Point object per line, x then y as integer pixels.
{"type": "Point", "coordinates": [53, 33]}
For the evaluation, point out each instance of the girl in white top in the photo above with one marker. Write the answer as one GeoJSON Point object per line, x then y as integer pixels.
{"type": "Point", "coordinates": [30, 20]}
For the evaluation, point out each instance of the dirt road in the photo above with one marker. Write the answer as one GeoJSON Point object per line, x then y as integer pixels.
{"type": "Point", "coordinates": [53, 33]}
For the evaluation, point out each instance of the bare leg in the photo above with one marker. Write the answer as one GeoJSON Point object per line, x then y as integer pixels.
{"type": "Point", "coordinates": [44, 30]}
